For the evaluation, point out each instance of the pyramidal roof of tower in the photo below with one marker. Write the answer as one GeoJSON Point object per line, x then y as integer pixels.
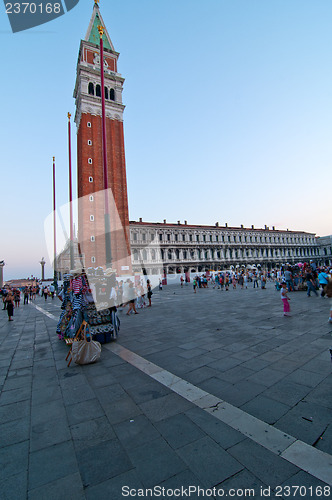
{"type": "Point", "coordinates": [92, 35]}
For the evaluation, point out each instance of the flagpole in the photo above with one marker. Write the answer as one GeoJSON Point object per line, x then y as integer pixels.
{"type": "Point", "coordinates": [54, 229]}
{"type": "Point", "coordinates": [108, 249]}
{"type": "Point", "coordinates": [71, 247]}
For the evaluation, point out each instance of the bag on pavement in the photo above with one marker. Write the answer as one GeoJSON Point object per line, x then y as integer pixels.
{"type": "Point", "coordinates": [85, 351]}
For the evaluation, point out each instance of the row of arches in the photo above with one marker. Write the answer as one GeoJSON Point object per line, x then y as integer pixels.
{"type": "Point", "coordinates": [96, 90]}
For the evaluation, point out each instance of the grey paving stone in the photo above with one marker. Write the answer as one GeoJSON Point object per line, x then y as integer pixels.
{"type": "Point", "coordinates": [225, 364]}
{"type": "Point", "coordinates": [91, 433]}
{"type": "Point", "coordinates": [85, 411]}
{"type": "Point", "coordinates": [110, 394]}
{"type": "Point", "coordinates": [208, 461]}
{"type": "Point", "coordinates": [135, 432]}
{"type": "Point", "coordinates": [256, 364]}
{"type": "Point", "coordinates": [192, 353]}
{"type": "Point", "coordinates": [217, 430]}
{"type": "Point", "coordinates": [321, 395]}
{"type": "Point", "coordinates": [123, 409]}
{"type": "Point", "coordinates": [201, 374]}
{"type": "Point", "coordinates": [318, 366]}
{"type": "Point", "coordinates": [166, 406]}
{"type": "Point", "coordinates": [14, 411]}
{"type": "Point", "coordinates": [263, 464]}
{"type": "Point", "coordinates": [287, 392]}
{"type": "Point", "coordinates": [179, 431]}
{"type": "Point", "coordinates": [48, 433]}
{"type": "Point", "coordinates": [48, 411]}
{"type": "Point", "coordinates": [155, 462]}
{"type": "Point", "coordinates": [181, 483]}
{"type": "Point", "coordinates": [14, 487]}
{"type": "Point", "coordinates": [306, 421]}
{"type": "Point", "coordinates": [215, 386]}
{"type": "Point", "coordinates": [303, 377]}
{"type": "Point", "coordinates": [325, 442]}
{"type": "Point", "coordinates": [66, 487]}
{"type": "Point", "coordinates": [236, 374]}
{"type": "Point", "coordinates": [102, 381]}
{"type": "Point", "coordinates": [101, 462]}
{"type": "Point", "coordinates": [267, 377]}
{"type": "Point", "coordinates": [147, 391]}
{"type": "Point", "coordinates": [45, 395]}
{"type": "Point", "coordinates": [50, 464]}
{"type": "Point", "coordinates": [77, 394]}
{"type": "Point", "coordinates": [265, 409]}
{"type": "Point", "coordinates": [311, 486]}
{"type": "Point", "coordinates": [14, 432]}
{"type": "Point", "coordinates": [14, 460]}
{"type": "Point", "coordinates": [245, 481]}
{"type": "Point", "coordinates": [15, 395]}
{"type": "Point", "coordinates": [245, 355]}
{"type": "Point", "coordinates": [115, 488]}
{"type": "Point", "coordinates": [17, 382]}
{"type": "Point", "coordinates": [241, 393]}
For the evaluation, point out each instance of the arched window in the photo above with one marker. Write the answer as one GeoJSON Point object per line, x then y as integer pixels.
{"type": "Point", "coordinates": [112, 94]}
{"type": "Point", "coordinates": [98, 91]}
{"type": "Point", "coordinates": [106, 93]}
{"type": "Point", "coordinates": [91, 89]}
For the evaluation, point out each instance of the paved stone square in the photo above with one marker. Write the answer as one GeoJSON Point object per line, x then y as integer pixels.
{"type": "Point", "coordinates": [213, 389]}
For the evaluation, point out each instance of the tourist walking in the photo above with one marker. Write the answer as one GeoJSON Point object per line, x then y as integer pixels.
{"type": "Point", "coordinates": [10, 305]}
{"type": "Point", "coordinates": [132, 298]}
{"type": "Point", "coordinates": [311, 284]}
{"type": "Point", "coordinates": [285, 299]}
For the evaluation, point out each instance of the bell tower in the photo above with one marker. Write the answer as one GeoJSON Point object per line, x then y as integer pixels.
{"type": "Point", "coordinates": [90, 181]}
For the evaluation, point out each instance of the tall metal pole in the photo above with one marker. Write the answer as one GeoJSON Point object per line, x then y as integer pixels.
{"type": "Point", "coordinates": [54, 229]}
{"type": "Point", "coordinates": [108, 249]}
{"type": "Point", "coordinates": [2, 264]}
{"type": "Point", "coordinates": [71, 247]}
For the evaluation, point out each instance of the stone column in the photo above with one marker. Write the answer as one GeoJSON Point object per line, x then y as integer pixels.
{"type": "Point", "coordinates": [42, 263]}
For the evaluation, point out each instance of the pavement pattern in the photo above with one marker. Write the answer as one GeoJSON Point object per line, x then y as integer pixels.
{"type": "Point", "coordinates": [213, 390]}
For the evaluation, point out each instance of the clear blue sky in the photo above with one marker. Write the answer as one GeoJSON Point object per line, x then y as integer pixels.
{"type": "Point", "coordinates": [228, 115]}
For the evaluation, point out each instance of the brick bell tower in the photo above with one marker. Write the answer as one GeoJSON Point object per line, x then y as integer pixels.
{"type": "Point", "coordinates": [88, 118]}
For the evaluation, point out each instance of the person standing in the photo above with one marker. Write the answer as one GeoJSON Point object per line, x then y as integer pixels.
{"type": "Point", "coordinates": [149, 288]}
{"type": "Point", "coordinates": [311, 285]}
{"type": "Point", "coordinates": [10, 305]}
{"type": "Point", "coordinates": [285, 299]}
{"type": "Point", "coordinates": [17, 297]}
{"type": "Point", "coordinates": [132, 298]}
{"type": "Point", "coordinates": [323, 279]}
{"type": "Point", "coordinates": [255, 280]}
{"type": "Point", "coordinates": [328, 292]}
{"type": "Point", "coordinates": [26, 295]}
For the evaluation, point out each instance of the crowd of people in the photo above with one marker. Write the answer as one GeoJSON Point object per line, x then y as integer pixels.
{"type": "Point", "coordinates": [137, 294]}
{"type": "Point", "coordinates": [301, 277]}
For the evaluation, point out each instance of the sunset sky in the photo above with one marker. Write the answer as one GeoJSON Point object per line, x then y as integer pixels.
{"type": "Point", "coordinates": [228, 115]}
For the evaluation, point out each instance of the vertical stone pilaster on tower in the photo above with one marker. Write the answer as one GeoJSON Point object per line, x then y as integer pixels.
{"type": "Point", "coordinates": [88, 118]}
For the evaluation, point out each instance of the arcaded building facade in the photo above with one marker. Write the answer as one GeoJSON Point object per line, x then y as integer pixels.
{"type": "Point", "coordinates": [159, 248]}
